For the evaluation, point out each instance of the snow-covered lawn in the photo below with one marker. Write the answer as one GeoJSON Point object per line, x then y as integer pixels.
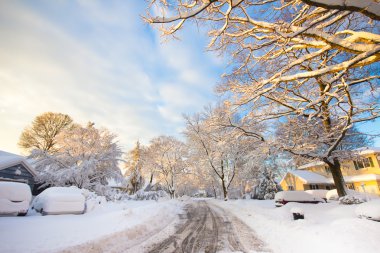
{"type": "Point", "coordinates": [36, 233]}
{"type": "Point", "coordinates": [328, 227]}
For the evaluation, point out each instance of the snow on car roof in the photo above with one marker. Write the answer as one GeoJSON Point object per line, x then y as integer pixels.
{"type": "Point", "coordinates": [295, 196]}
{"type": "Point", "coordinates": [310, 177]}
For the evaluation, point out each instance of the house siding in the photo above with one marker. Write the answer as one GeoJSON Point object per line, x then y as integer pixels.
{"type": "Point", "coordinates": [348, 169]}
{"type": "Point", "coordinates": [291, 180]}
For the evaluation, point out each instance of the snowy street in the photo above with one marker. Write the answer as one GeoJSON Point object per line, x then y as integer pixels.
{"type": "Point", "coordinates": [207, 228]}
{"type": "Point", "coordinates": [193, 225]}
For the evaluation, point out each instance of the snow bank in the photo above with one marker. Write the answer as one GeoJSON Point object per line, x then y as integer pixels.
{"type": "Point", "coordinates": [15, 191]}
{"type": "Point", "coordinates": [369, 210]}
{"type": "Point", "coordinates": [55, 233]}
{"type": "Point", "coordinates": [326, 228]}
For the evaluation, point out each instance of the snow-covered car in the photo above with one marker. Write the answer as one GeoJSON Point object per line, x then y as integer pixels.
{"type": "Point", "coordinates": [369, 210]}
{"type": "Point", "coordinates": [318, 193]}
{"type": "Point", "coordinates": [284, 197]}
{"type": "Point", "coordinates": [14, 198]}
{"type": "Point", "coordinates": [60, 200]}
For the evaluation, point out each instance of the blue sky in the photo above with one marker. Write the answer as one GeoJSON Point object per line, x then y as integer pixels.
{"type": "Point", "coordinates": [98, 61]}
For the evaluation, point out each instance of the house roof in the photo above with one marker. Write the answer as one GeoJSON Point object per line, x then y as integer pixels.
{"type": "Point", "coordinates": [313, 164]}
{"type": "Point", "coordinates": [309, 177]}
{"type": "Point", "coordinates": [368, 150]}
{"type": "Point", "coordinates": [360, 151]}
{"type": "Point", "coordinates": [8, 159]}
{"type": "Point", "coordinates": [359, 178]}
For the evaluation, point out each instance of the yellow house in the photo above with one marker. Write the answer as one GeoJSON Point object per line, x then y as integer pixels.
{"type": "Point", "coordinates": [361, 174]}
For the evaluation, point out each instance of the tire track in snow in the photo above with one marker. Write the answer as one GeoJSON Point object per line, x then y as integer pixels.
{"type": "Point", "coordinates": [208, 228]}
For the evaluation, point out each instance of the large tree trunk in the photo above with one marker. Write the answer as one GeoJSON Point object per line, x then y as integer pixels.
{"type": "Point", "coordinates": [337, 176]}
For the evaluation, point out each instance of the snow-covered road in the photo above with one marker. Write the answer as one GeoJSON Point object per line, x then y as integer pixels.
{"type": "Point", "coordinates": [208, 228]}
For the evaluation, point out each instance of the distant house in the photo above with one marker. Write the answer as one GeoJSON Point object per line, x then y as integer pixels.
{"type": "Point", "coordinates": [15, 168]}
{"type": "Point", "coordinates": [360, 174]}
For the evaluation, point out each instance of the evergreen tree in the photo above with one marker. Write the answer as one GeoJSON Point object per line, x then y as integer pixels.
{"type": "Point", "coordinates": [267, 187]}
{"type": "Point", "coordinates": [134, 166]}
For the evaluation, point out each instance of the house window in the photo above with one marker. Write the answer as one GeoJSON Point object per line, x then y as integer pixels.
{"type": "Point", "coordinates": [290, 188]}
{"type": "Point", "coordinates": [328, 187]}
{"type": "Point", "coordinates": [327, 169]}
{"type": "Point", "coordinates": [363, 163]}
{"type": "Point", "coordinates": [314, 187]}
{"type": "Point", "coordinates": [350, 186]}
{"type": "Point", "coordinates": [370, 161]}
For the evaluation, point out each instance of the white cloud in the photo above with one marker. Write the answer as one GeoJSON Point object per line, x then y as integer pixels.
{"type": "Point", "coordinates": [99, 63]}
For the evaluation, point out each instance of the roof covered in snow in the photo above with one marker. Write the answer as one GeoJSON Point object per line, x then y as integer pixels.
{"type": "Point", "coordinates": [368, 150]}
{"type": "Point", "coordinates": [310, 177]}
{"type": "Point", "coordinates": [8, 159]}
{"type": "Point", "coordinates": [360, 178]}
{"type": "Point", "coordinates": [310, 165]}
{"type": "Point", "coordinates": [360, 151]}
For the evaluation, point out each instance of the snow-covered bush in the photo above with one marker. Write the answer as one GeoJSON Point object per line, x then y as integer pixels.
{"type": "Point", "coordinates": [369, 210]}
{"type": "Point", "coordinates": [352, 197]}
{"type": "Point", "coordinates": [110, 193]}
{"type": "Point", "coordinates": [351, 200]}
{"type": "Point", "coordinates": [92, 200]}
{"type": "Point", "coordinates": [268, 186]}
{"type": "Point", "coordinates": [150, 195]}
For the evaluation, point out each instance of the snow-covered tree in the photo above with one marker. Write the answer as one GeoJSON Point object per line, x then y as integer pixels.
{"type": "Point", "coordinates": [135, 180]}
{"type": "Point", "coordinates": [85, 157]}
{"type": "Point", "coordinates": [221, 150]}
{"type": "Point", "coordinates": [166, 157]}
{"type": "Point", "coordinates": [267, 186]}
{"type": "Point", "coordinates": [300, 59]}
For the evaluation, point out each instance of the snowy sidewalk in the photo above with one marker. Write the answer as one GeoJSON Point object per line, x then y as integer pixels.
{"type": "Point", "coordinates": [54, 233]}
{"type": "Point", "coordinates": [327, 227]}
